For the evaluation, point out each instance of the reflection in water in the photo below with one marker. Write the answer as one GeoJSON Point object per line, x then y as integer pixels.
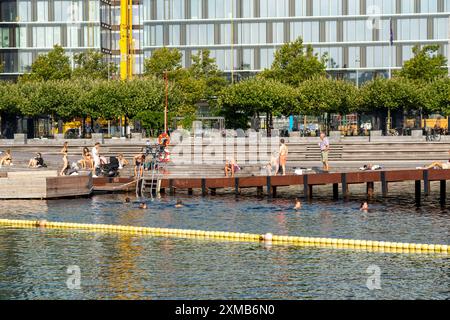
{"type": "Point", "coordinates": [33, 263]}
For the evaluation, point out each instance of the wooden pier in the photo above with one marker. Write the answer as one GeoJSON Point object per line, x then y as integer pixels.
{"type": "Point", "coordinates": [43, 184]}
{"type": "Point", "coordinates": [336, 181]}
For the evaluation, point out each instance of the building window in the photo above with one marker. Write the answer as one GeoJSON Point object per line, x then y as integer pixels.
{"type": "Point", "coordinates": [196, 9]}
{"type": "Point", "coordinates": [174, 35]}
{"type": "Point", "coordinates": [248, 9]}
{"type": "Point", "coordinates": [4, 38]}
{"type": "Point", "coordinates": [252, 33]}
{"type": "Point", "coordinates": [353, 7]}
{"type": "Point", "coordinates": [270, 8]}
{"type": "Point", "coordinates": [300, 8]}
{"type": "Point", "coordinates": [308, 31]}
{"type": "Point", "coordinates": [412, 29]}
{"type": "Point", "coordinates": [381, 6]}
{"type": "Point", "coordinates": [429, 6]}
{"type": "Point", "coordinates": [202, 34]}
{"type": "Point", "coordinates": [248, 59]}
{"type": "Point", "coordinates": [440, 28]}
{"type": "Point", "coordinates": [24, 10]}
{"type": "Point", "coordinates": [407, 6]}
{"type": "Point", "coordinates": [42, 10]}
{"type": "Point", "coordinates": [327, 7]}
{"type": "Point", "coordinates": [267, 57]}
{"type": "Point", "coordinates": [222, 9]}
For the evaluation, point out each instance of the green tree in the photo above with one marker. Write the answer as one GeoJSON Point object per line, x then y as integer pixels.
{"type": "Point", "coordinates": [92, 64]}
{"type": "Point", "coordinates": [295, 63]}
{"type": "Point", "coordinates": [162, 60]}
{"type": "Point", "coordinates": [426, 64]}
{"type": "Point", "coordinates": [10, 98]}
{"type": "Point", "coordinates": [436, 96]}
{"type": "Point", "coordinates": [390, 94]}
{"type": "Point", "coordinates": [251, 97]}
{"type": "Point", "coordinates": [54, 65]}
{"type": "Point", "coordinates": [204, 68]}
{"type": "Point", "coordinates": [322, 95]}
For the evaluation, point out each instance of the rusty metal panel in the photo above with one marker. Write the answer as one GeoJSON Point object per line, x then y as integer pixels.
{"type": "Point", "coordinates": [362, 177]}
{"type": "Point", "coordinates": [217, 183]}
{"type": "Point", "coordinates": [324, 178]}
{"type": "Point", "coordinates": [259, 181]}
{"type": "Point", "coordinates": [403, 175]}
{"type": "Point", "coordinates": [435, 175]}
{"type": "Point", "coordinates": [278, 181]}
{"type": "Point", "coordinates": [187, 183]}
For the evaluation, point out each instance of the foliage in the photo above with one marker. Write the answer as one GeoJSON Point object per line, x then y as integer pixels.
{"type": "Point", "coordinates": [295, 63]}
{"type": "Point", "coordinates": [253, 96]}
{"type": "Point", "coordinates": [54, 65]}
{"type": "Point", "coordinates": [92, 64]}
{"type": "Point", "coordinates": [321, 95]}
{"type": "Point", "coordinates": [391, 94]}
{"type": "Point", "coordinates": [426, 65]}
{"type": "Point", "coordinates": [163, 60]}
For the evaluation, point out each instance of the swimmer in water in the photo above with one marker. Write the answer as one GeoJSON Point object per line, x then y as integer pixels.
{"type": "Point", "coordinates": [127, 200]}
{"type": "Point", "coordinates": [143, 205]}
{"type": "Point", "coordinates": [298, 204]}
{"type": "Point", "coordinates": [364, 206]}
{"type": "Point", "coordinates": [179, 204]}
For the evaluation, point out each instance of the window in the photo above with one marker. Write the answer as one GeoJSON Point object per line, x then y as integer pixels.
{"type": "Point", "coordinates": [42, 10]}
{"type": "Point", "coordinates": [252, 33]}
{"type": "Point", "coordinates": [270, 8]}
{"type": "Point", "coordinates": [309, 31]}
{"type": "Point", "coordinates": [353, 7]}
{"type": "Point", "coordinates": [428, 6]}
{"type": "Point", "coordinates": [222, 9]}
{"type": "Point", "coordinates": [327, 7]}
{"type": "Point", "coordinates": [378, 57]}
{"type": "Point", "coordinates": [267, 57]}
{"type": "Point", "coordinates": [173, 9]}
{"type": "Point", "coordinates": [278, 32]}
{"type": "Point", "coordinates": [440, 28]}
{"type": "Point", "coordinates": [24, 10]}
{"type": "Point", "coordinates": [407, 6]}
{"type": "Point", "coordinates": [174, 35]}
{"type": "Point", "coordinates": [381, 7]}
{"type": "Point", "coordinates": [196, 9]}
{"type": "Point", "coordinates": [356, 30]}
{"type": "Point", "coordinates": [412, 29]}
{"type": "Point", "coordinates": [202, 34]}
{"type": "Point", "coordinates": [300, 8]}
{"type": "Point", "coordinates": [4, 38]}
{"type": "Point", "coordinates": [247, 9]}
{"type": "Point", "coordinates": [248, 59]}
{"type": "Point", "coordinates": [154, 35]}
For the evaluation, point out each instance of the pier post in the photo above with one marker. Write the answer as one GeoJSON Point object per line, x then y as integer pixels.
{"type": "Point", "coordinates": [370, 189]}
{"type": "Point", "coordinates": [426, 183]}
{"type": "Point", "coordinates": [171, 188]}
{"type": "Point", "coordinates": [344, 186]}
{"type": "Point", "coordinates": [305, 187]}
{"type": "Point", "coordinates": [384, 184]}
{"type": "Point", "coordinates": [190, 192]}
{"type": "Point", "coordinates": [335, 191]}
{"type": "Point", "coordinates": [274, 192]}
{"type": "Point", "coordinates": [203, 187]}
{"type": "Point", "coordinates": [417, 192]}
{"type": "Point", "coordinates": [269, 187]}
{"type": "Point", "coordinates": [443, 192]}
{"type": "Point", "coordinates": [236, 186]}
{"type": "Point", "coordinates": [213, 191]}
{"type": "Point", "coordinates": [259, 191]}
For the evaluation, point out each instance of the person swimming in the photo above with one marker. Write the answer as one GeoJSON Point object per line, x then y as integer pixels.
{"type": "Point", "coordinates": [364, 206]}
{"type": "Point", "coordinates": [179, 204]}
{"type": "Point", "coordinates": [298, 204]}
{"type": "Point", "coordinates": [143, 205]}
{"type": "Point", "coordinates": [127, 200]}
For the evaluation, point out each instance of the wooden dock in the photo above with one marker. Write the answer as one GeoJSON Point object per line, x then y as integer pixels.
{"type": "Point", "coordinates": [338, 181]}
{"type": "Point", "coordinates": [43, 184]}
{"type": "Point", "coordinates": [116, 184]}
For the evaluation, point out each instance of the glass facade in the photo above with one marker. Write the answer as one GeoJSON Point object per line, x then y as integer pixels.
{"type": "Point", "coordinates": [32, 27]}
{"type": "Point", "coordinates": [241, 34]}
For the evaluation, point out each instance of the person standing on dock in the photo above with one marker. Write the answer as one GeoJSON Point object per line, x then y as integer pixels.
{"type": "Point", "coordinates": [96, 156]}
{"type": "Point", "coordinates": [64, 152]}
{"type": "Point", "coordinates": [324, 145]}
{"type": "Point", "coordinates": [283, 156]}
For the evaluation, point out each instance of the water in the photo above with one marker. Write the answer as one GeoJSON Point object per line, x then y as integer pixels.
{"type": "Point", "coordinates": [33, 263]}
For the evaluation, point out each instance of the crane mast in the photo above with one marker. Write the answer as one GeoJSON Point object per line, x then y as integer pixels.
{"type": "Point", "coordinates": [126, 39]}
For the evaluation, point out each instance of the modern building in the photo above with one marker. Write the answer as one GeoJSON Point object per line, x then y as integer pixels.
{"type": "Point", "coordinates": [241, 34]}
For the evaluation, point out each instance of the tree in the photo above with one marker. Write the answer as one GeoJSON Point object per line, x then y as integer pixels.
{"type": "Point", "coordinates": [10, 98]}
{"type": "Point", "coordinates": [251, 97]}
{"type": "Point", "coordinates": [322, 95]}
{"type": "Point", "coordinates": [426, 65]}
{"type": "Point", "coordinates": [163, 60]}
{"type": "Point", "coordinates": [204, 67]}
{"type": "Point", "coordinates": [92, 64]}
{"type": "Point", "coordinates": [436, 96]}
{"type": "Point", "coordinates": [54, 65]}
{"type": "Point", "coordinates": [295, 63]}
{"type": "Point", "coordinates": [390, 94]}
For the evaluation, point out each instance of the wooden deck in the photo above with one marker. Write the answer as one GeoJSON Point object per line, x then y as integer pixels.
{"type": "Point", "coordinates": [45, 184]}
{"type": "Point", "coordinates": [117, 184]}
{"type": "Point", "coordinates": [336, 180]}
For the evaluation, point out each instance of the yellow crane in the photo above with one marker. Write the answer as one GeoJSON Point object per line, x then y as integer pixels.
{"type": "Point", "coordinates": [126, 39]}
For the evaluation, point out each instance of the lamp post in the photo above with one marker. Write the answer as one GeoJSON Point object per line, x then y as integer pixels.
{"type": "Point", "coordinates": [166, 82]}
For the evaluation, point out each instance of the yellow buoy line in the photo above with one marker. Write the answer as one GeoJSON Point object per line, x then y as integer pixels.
{"type": "Point", "coordinates": [364, 245]}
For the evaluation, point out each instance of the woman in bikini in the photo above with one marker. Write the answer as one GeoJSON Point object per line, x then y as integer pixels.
{"type": "Point", "coordinates": [64, 152]}
{"type": "Point", "coordinates": [6, 159]}
{"type": "Point", "coordinates": [86, 160]}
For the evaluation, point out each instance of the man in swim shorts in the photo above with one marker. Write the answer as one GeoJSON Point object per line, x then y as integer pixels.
{"type": "Point", "coordinates": [324, 145]}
